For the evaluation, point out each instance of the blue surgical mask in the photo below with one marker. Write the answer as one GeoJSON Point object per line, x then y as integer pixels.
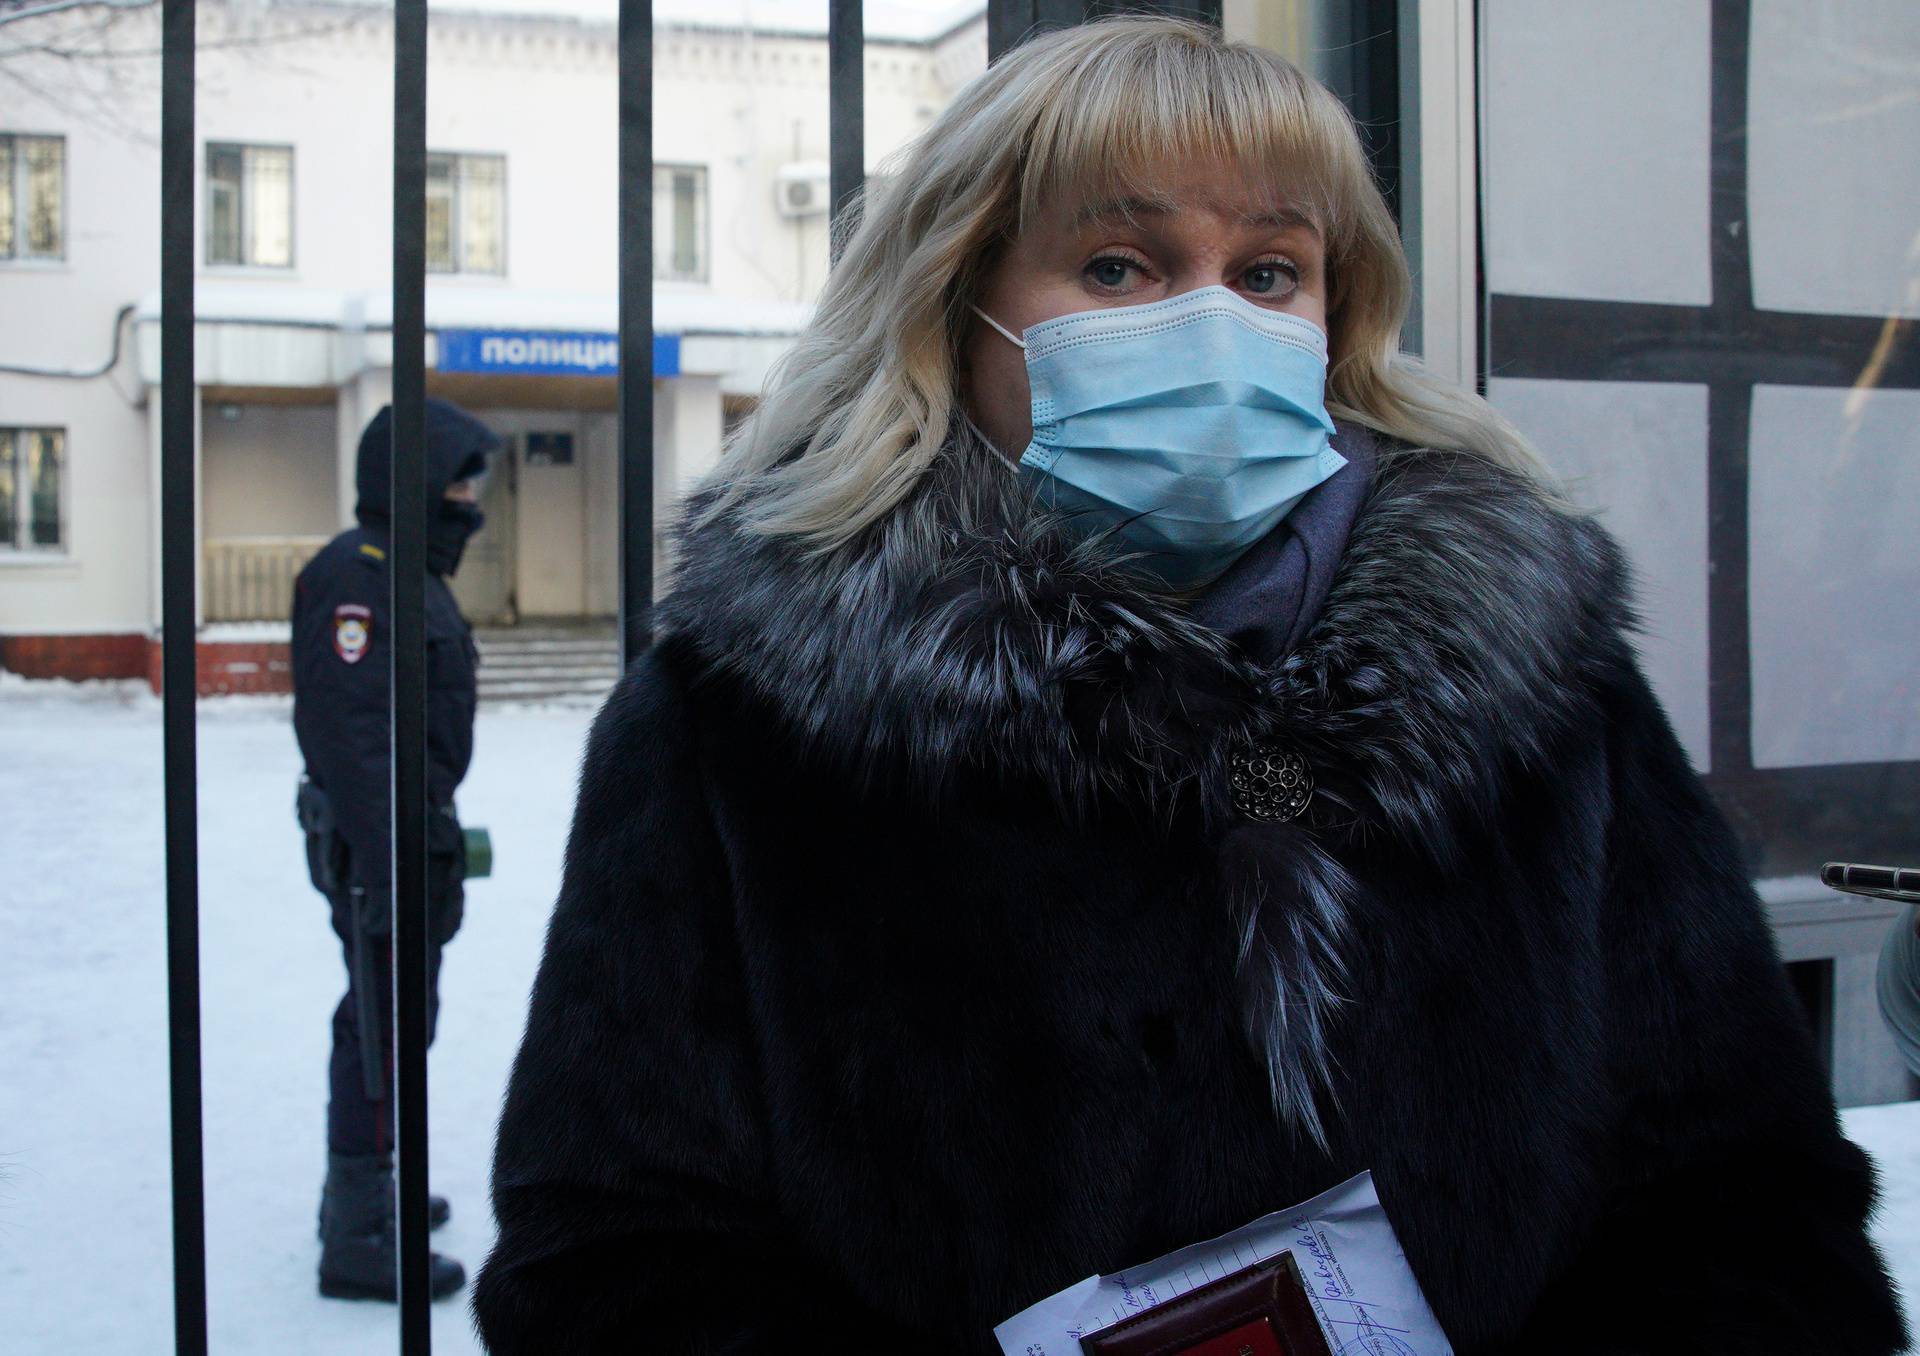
{"type": "Point", "coordinates": [1187, 427]}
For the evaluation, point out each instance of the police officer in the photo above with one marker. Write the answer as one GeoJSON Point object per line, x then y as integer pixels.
{"type": "Point", "coordinates": [342, 628]}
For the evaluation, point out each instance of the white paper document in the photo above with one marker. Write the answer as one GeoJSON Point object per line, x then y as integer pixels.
{"type": "Point", "coordinates": [1357, 1278]}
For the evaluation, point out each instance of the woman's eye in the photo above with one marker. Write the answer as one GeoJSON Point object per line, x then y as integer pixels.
{"type": "Point", "coordinates": [1111, 271]}
{"type": "Point", "coordinates": [1272, 280]}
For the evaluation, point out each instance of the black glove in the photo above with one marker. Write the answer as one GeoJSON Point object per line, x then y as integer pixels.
{"type": "Point", "coordinates": [446, 874]}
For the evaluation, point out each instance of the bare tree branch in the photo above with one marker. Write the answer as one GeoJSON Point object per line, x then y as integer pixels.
{"type": "Point", "coordinates": [13, 11]}
{"type": "Point", "coordinates": [96, 60]}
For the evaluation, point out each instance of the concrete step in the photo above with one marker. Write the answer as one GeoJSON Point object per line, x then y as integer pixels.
{"type": "Point", "coordinates": [534, 659]}
{"type": "Point", "coordinates": [483, 634]}
{"type": "Point", "coordinates": [550, 650]}
{"type": "Point", "coordinates": [550, 647]}
{"type": "Point", "coordinates": [582, 693]}
{"type": "Point", "coordinates": [548, 663]}
{"type": "Point", "coordinates": [598, 680]}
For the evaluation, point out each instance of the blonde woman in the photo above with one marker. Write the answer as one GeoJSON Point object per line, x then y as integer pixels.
{"type": "Point", "coordinates": [1123, 753]}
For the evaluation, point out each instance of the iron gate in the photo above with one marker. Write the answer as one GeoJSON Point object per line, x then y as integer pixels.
{"type": "Point", "coordinates": [1008, 22]}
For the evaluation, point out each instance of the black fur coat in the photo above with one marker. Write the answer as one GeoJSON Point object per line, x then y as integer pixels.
{"type": "Point", "coordinates": [911, 962]}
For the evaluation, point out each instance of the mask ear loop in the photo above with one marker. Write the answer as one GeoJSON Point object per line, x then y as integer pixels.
{"type": "Point", "coordinates": [1011, 337]}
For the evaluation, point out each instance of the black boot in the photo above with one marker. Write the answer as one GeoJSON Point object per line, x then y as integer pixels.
{"type": "Point", "coordinates": [357, 1245]}
{"type": "Point", "coordinates": [438, 1213]}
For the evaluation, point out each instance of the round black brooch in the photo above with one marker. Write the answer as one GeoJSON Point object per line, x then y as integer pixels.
{"type": "Point", "coordinates": [1270, 781]}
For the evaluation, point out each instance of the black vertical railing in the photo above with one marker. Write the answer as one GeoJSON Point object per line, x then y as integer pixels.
{"type": "Point", "coordinates": [407, 579]}
{"type": "Point", "coordinates": [178, 561]}
{"type": "Point", "coordinates": [1359, 58]}
{"type": "Point", "coordinates": [1012, 22]}
{"type": "Point", "coordinates": [1009, 21]}
{"type": "Point", "coordinates": [636, 326]}
{"type": "Point", "coordinates": [1729, 402]}
{"type": "Point", "coordinates": [846, 113]}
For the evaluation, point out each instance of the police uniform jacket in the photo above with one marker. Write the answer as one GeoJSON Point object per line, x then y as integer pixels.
{"type": "Point", "coordinates": [341, 634]}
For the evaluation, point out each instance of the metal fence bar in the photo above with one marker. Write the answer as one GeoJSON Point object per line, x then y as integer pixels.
{"type": "Point", "coordinates": [636, 327]}
{"type": "Point", "coordinates": [1361, 49]}
{"type": "Point", "coordinates": [178, 676]}
{"type": "Point", "coordinates": [1012, 22]}
{"type": "Point", "coordinates": [846, 112]}
{"type": "Point", "coordinates": [407, 580]}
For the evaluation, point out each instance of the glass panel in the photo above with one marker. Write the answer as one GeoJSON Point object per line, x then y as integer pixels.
{"type": "Point", "coordinates": [1835, 479]}
{"type": "Point", "coordinates": [223, 205]}
{"type": "Point", "coordinates": [44, 453]}
{"type": "Point", "coordinates": [1596, 116]}
{"type": "Point", "coordinates": [270, 206]}
{"type": "Point", "coordinates": [9, 490]}
{"type": "Point", "coordinates": [1836, 127]}
{"type": "Point", "coordinates": [6, 198]}
{"type": "Point", "coordinates": [1637, 452]}
{"type": "Point", "coordinates": [440, 214]}
{"type": "Point", "coordinates": [46, 195]}
{"type": "Point", "coordinates": [483, 192]}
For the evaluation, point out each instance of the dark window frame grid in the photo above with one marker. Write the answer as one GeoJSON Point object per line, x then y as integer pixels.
{"type": "Point", "coordinates": [1788, 819]}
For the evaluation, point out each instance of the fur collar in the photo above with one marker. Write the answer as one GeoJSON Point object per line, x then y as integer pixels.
{"type": "Point", "coordinates": [970, 631]}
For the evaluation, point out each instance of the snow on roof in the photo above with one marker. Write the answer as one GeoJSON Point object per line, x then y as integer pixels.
{"type": "Point", "coordinates": [490, 308]}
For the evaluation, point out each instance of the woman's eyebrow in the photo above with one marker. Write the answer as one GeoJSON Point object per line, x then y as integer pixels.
{"type": "Point", "coordinates": [1105, 210]}
{"type": "Point", "coordinates": [1281, 218]}
{"type": "Point", "coordinates": [1123, 209]}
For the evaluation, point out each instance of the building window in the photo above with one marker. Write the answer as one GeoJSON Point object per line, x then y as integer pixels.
{"type": "Point", "coordinates": [466, 213]}
{"type": "Point", "coordinates": [680, 223]}
{"type": "Point", "coordinates": [31, 517]}
{"type": "Point", "coordinates": [33, 196]}
{"type": "Point", "coordinates": [250, 205]}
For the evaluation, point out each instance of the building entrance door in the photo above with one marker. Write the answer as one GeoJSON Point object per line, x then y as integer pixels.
{"type": "Point", "coordinates": [483, 585]}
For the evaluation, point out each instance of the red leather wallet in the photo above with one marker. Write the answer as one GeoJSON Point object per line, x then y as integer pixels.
{"type": "Point", "coordinates": [1261, 1310]}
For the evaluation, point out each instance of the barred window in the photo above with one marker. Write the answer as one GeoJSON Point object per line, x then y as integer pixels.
{"type": "Point", "coordinates": [33, 197]}
{"type": "Point", "coordinates": [680, 222]}
{"type": "Point", "coordinates": [250, 205]}
{"type": "Point", "coordinates": [466, 213]}
{"type": "Point", "coordinates": [32, 511]}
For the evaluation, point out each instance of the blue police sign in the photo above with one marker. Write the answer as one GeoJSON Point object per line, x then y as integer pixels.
{"type": "Point", "coordinates": [547, 353]}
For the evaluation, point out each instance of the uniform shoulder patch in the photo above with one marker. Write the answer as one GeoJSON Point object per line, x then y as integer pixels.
{"type": "Point", "coordinates": [367, 548]}
{"type": "Point", "coordinates": [352, 631]}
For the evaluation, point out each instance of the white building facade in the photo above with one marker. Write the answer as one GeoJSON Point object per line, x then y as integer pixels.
{"type": "Point", "coordinates": [293, 345]}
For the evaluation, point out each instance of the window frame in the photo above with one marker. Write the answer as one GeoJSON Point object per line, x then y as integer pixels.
{"type": "Point", "coordinates": [1788, 818]}
{"type": "Point", "coordinates": [246, 207]}
{"type": "Point", "coordinates": [455, 240]}
{"type": "Point", "coordinates": [23, 552]}
{"type": "Point", "coordinates": [16, 259]}
{"type": "Point", "coordinates": [702, 276]}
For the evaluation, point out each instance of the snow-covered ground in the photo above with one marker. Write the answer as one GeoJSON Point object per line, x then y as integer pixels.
{"type": "Point", "coordinates": [84, 1224]}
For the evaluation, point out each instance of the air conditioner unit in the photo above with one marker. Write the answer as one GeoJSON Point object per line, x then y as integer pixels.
{"type": "Point", "coordinates": [800, 189]}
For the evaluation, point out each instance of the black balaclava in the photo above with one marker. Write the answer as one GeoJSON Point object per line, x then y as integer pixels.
{"type": "Point", "coordinates": [447, 534]}
{"type": "Point", "coordinates": [457, 447]}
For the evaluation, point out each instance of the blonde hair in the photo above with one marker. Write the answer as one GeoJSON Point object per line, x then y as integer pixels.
{"type": "Point", "coordinates": [867, 393]}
